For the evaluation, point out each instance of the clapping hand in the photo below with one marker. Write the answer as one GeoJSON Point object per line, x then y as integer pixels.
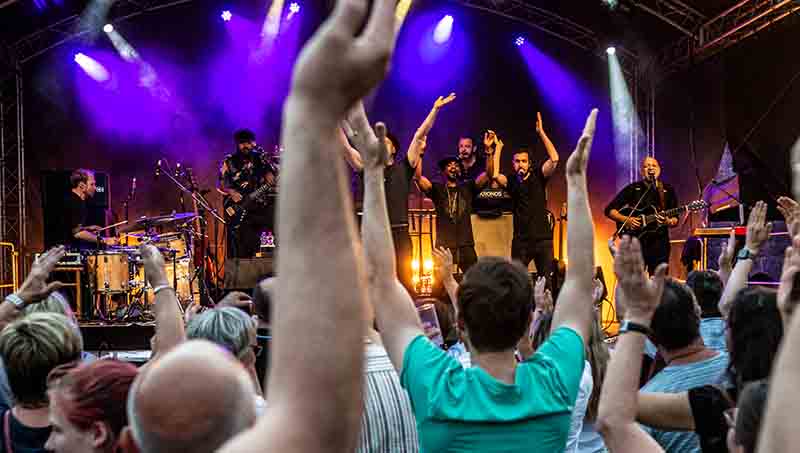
{"type": "Point", "coordinates": [758, 229]}
{"type": "Point", "coordinates": [154, 271]}
{"type": "Point", "coordinates": [35, 287]}
{"type": "Point", "coordinates": [790, 210]}
{"type": "Point", "coordinates": [443, 266]}
{"type": "Point", "coordinates": [579, 159]}
{"type": "Point", "coordinates": [542, 296]}
{"type": "Point", "coordinates": [788, 297]}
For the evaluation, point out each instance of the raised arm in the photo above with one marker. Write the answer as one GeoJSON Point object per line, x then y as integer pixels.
{"type": "Point", "coordinates": [169, 321]}
{"type": "Point", "coordinates": [34, 289]}
{"type": "Point", "coordinates": [423, 183]}
{"type": "Point", "coordinates": [444, 269]}
{"type": "Point", "coordinates": [397, 318]}
{"type": "Point", "coordinates": [315, 383]}
{"type": "Point", "coordinates": [414, 149]}
{"type": "Point", "coordinates": [493, 159]}
{"type": "Point", "coordinates": [616, 419]}
{"type": "Point", "coordinates": [492, 162]}
{"type": "Point", "coordinates": [574, 306]}
{"type": "Point", "coordinates": [758, 231]}
{"type": "Point", "coordinates": [550, 165]}
{"type": "Point", "coordinates": [779, 431]}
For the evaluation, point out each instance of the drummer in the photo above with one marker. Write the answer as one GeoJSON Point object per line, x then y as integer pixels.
{"type": "Point", "coordinates": [74, 231]}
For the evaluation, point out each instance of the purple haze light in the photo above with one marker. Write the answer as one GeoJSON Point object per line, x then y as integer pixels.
{"type": "Point", "coordinates": [443, 30]}
{"type": "Point", "coordinates": [226, 16]}
{"type": "Point", "coordinates": [92, 67]}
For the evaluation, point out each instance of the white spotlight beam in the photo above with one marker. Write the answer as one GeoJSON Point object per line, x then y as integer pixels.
{"type": "Point", "coordinates": [628, 132]}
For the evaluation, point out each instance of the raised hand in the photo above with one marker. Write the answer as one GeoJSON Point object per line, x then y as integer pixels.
{"type": "Point", "coordinates": [373, 149]}
{"type": "Point", "coordinates": [641, 295]}
{"type": "Point", "coordinates": [597, 291]}
{"type": "Point", "coordinates": [442, 101]}
{"type": "Point", "coordinates": [579, 159]}
{"type": "Point", "coordinates": [788, 296]}
{"type": "Point", "coordinates": [154, 271]}
{"type": "Point", "coordinates": [725, 260]}
{"type": "Point", "coordinates": [35, 287]}
{"type": "Point", "coordinates": [339, 65]}
{"type": "Point", "coordinates": [542, 297]}
{"type": "Point", "coordinates": [790, 210]}
{"type": "Point", "coordinates": [236, 299]}
{"type": "Point", "coordinates": [758, 229]}
{"type": "Point", "coordinates": [442, 263]}
{"type": "Point", "coordinates": [489, 138]}
{"type": "Point", "coordinates": [539, 124]}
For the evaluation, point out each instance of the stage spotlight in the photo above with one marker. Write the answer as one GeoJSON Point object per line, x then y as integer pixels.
{"type": "Point", "coordinates": [611, 50]}
{"type": "Point", "coordinates": [226, 16]}
{"type": "Point", "coordinates": [91, 67]}
{"type": "Point", "coordinates": [443, 30]}
{"type": "Point", "coordinates": [294, 8]}
{"type": "Point", "coordinates": [520, 41]}
{"type": "Point", "coordinates": [108, 28]}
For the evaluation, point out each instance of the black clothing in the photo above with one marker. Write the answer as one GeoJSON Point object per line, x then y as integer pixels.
{"type": "Point", "coordinates": [397, 181]}
{"type": "Point", "coordinates": [472, 173]}
{"type": "Point", "coordinates": [541, 252]}
{"type": "Point", "coordinates": [491, 203]}
{"type": "Point", "coordinates": [403, 254]}
{"type": "Point", "coordinates": [655, 244]}
{"type": "Point", "coordinates": [245, 173]}
{"type": "Point", "coordinates": [72, 217]}
{"type": "Point", "coordinates": [24, 439]}
{"type": "Point", "coordinates": [529, 201]}
{"type": "Point", "coordinates": [708, 404]}
{"type": "Point", "coordinates": [453, 211]}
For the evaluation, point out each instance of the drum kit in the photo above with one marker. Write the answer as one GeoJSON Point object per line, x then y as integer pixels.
{"type": "Point", "coordinates": [116, 275]}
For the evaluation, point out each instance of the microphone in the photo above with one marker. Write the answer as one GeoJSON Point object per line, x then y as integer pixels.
{"type": "Point", "coordinates": [158, 168]}
{"type": "Point", "coordinates": [133, 188]}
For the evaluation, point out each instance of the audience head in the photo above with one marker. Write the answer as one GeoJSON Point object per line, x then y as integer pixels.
{"type": "Point", "coordinates": [87, 406]}
{"type": "Point", "coordinates": [707, 288]}
{"type": "Point", "coordinates": [262, 300]}
{"type": "Point", "coordinates": [676, 321]}
{"type": "Point", "coordinates": [754, 334]}
{"type": "Point", "coordinates": [33, 346]}
{"type": "Point", "coordinates": [752, 404]}
{"type": "Point", "coordinates": [228, 327]}
{"type": "Point", "coordinates": [193, 399]}
{"type": "Point", "coordinates": [495, 300]}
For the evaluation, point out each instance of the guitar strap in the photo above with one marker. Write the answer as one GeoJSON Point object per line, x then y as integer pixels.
{"type": "Point", "coordinates": [660, 190]}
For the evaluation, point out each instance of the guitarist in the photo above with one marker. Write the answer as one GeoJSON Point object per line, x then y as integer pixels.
{"type": "Point", "coordinates": [242, 173]}
{"type": "Point", "coordinates": [652, 196]}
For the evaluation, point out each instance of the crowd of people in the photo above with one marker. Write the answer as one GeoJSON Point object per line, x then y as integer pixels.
{"type": "Point", "coordinates": [351, 368]}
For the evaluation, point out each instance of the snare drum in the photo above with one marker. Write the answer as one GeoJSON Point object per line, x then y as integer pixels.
{"type": "Point", "coordinates": [172, 241]}
{"type": "Point", "coordinates": [109, 271]}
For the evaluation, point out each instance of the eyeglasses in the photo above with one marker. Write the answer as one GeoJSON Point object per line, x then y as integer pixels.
{"type": "Point", "coordinates": [256, 349]}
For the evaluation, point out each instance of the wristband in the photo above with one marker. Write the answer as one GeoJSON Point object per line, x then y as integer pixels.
{"type": "Point", "coordinates": [628, 326]}
{"type": "Point", "coordinates": [15, 300]}
{"type": "Point", "coordinates": [160, 288]}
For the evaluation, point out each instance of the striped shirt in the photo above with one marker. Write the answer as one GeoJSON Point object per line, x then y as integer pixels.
{"type": "Point", "coordinates": [388, 424]}
{"type": "Point", "coordinates": [681, 378]}
{"type": "Point", "coordinates": [713, 332]}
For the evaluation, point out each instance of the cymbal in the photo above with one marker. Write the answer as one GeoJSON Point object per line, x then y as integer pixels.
{"type": "Point", "coordinates": [148, 222]}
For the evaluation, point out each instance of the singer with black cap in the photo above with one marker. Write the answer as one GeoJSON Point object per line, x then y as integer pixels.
{"type": "Point", "coordinates": [248, 180]}
{"type": "Point", "coordinates": [647, 196]}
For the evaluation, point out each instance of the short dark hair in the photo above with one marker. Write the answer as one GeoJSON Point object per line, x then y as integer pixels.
{"type": "Point", "coordinates": [244, 136]}
{"type": "Point", "coordinates": [78, 176]}
{"type": "Point", "coordinates": [495, 301]}
{"type": "Point", "coordinates": [756, 331]}
{"type": "Point", "coordinates": [675, 322]}
{"type": "Point", "coordinates": [752, 406]}
{"type": "Point", "coordinates": [707, 288]}
{"type": "Point", "coordinates": [523, 150]}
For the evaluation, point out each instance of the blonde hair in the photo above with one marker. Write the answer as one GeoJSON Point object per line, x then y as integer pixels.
{"type": "Point", "coordinates": [31, 347]}
{"type": "Point", "coordinates": [598, 357]}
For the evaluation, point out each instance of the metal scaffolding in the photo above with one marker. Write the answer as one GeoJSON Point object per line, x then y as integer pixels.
{"type": "Point", "coordinates": [741, 21]}
{"type": "Point", "coordinates": [12, 169]}
{"type": "Point", "coordinates": [676, 13]}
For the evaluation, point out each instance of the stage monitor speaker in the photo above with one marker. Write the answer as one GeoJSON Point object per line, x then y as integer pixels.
{"type": "Point", "coordinates": [55, 188]}
{"type": "Point", "coordinates": [245, 273]}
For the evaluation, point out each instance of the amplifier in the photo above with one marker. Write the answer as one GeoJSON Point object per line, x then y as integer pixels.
{"type": "Point", "coordinates": [71, 259]}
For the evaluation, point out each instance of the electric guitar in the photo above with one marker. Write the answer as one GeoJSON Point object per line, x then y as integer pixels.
{"type": "Point", "coordinates": [649, 217]}
{"type": "Point", "coordinates": [237, 212]}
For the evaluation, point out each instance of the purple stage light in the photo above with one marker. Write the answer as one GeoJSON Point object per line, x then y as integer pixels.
{"type": "Point", "coordinates": [294, 8]}
{"type": "Point", "coordinates": [92, 67]}
{"type": "Point", "coordinates": [443, 30]}
{"type": "Point", "coordinates": [226, 16]}
{"type": "Point", "coordinates": [108, 28]}
{"type": "Point", "coordinates": [520, 41]}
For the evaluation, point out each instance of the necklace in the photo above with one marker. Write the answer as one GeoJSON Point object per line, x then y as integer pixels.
{"type": "Point", "coordinates": [452, 203]}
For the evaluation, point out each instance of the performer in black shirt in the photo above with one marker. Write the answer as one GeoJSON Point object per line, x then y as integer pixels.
{"type": "Point", "coordinates": [398, 176]}
{"type": "Point", "coordinates": [453, 202]}
{"type": "Point", "coordinates": [533, 236]}
{"type": "Point", "coordinates": [650, 193]}
{"type": "Point", "coordinates": [245, 174]}
{"type": "Point", "coordinates": [471, 162]}
{"type": "Point", "coordinates": [75, 233]}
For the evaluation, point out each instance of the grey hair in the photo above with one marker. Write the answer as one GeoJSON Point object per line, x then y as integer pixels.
{"type": "Point", "coordinates": [228, 327]}
{"type": "Point", "coordinates": [59, 304]}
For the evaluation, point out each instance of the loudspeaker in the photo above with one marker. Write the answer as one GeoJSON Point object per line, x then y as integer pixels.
{"type": "Point", "coordinates": [246, 272]}
{"type": "Point", "coordinates": [55, 189]}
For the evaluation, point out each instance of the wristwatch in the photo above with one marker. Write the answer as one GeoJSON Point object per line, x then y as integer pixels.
{"type": "Point", "coordinates": [745, 254]}
{"type": "Point", "coordinates": [629, 326]}
{"type": "Point", "coordinates": [16, 301]}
